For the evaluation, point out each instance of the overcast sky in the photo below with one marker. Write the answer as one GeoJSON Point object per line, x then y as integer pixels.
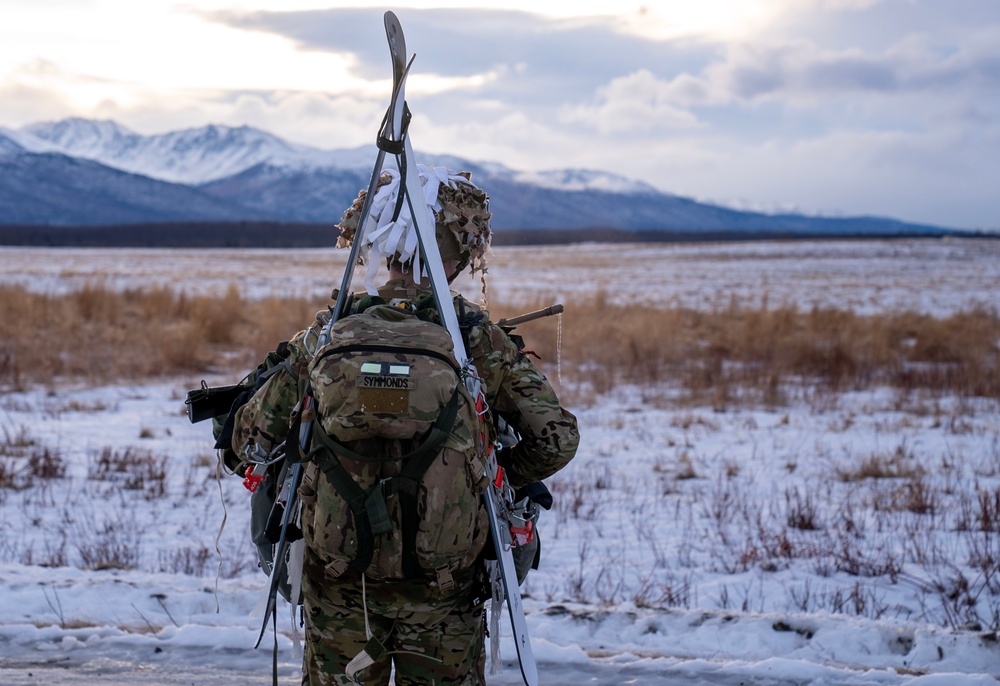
{"type": "Point", "coordinates": [886, 107]}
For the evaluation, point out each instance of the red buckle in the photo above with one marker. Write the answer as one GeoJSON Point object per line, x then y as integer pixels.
{"type": "Point", "coordinates": [498, 480]}
{"type": "Point", "coordinates": [252, 481]}
{"type": "Point", "coordinates": [523, 536]}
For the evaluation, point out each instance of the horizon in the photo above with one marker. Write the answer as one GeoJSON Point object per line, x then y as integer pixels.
{"type": "Point", "coordinates": [819, 107]}
{"type": "Point", "coordinates": [520, 173]}
{"type": "Point", "coordinates": [538, 178]}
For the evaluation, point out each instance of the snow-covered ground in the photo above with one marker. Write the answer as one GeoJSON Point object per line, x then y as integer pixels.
{"type": "Point", "coordinates": [686, 545]}
{"type": "Point", "coordinates": [934, 276]}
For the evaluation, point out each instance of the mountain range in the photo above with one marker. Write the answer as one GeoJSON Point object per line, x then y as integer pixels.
{"type": "Point", "coordinates": [79, 172]}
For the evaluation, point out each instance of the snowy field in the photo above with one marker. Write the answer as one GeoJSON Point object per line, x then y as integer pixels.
{"type": "Point", "coordinates": [686, 545]}
{"type": "Point", "coordinates": [931, 276]}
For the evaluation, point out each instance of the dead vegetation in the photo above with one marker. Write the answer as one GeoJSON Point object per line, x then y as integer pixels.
{"type": "Point", "coordinates": [872, 517]}
{"type": "Point", "coordinates": [727, 356]}
{"type": "Point", "coordinates": [741, 354]}
{"type": "Point", "coordinates": [98, 333]}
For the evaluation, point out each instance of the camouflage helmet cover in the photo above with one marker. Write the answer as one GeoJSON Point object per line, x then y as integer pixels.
{"type": "Point", "coordinates": [461, 213]}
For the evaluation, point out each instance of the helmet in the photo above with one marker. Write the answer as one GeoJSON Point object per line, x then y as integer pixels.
{"type": "Point", "coordinates": [461, 220]}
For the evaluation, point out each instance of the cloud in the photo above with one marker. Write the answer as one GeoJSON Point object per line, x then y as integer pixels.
{"type": "Point", "coordinates": [447, 45]}
{"type": "Point", "coordinates": [797, 69]}
{"type": "Point", "coordinates": [512, 73]}
{"type": "Point", "coordinates": [913, 83]}
{"type": "Point", "coordinates": [26, 104]}
{"type": "Point", "coordinates": [594, 73]}
{"type": "Point", "coordinates": [938, 177]}
{"type": "Point", "coordinates": [637, 103]}
{"type": "Point", "coordinates": [543, 58]}
{"type": "Point", "coordinates": [40, 90]}
{"type": "Point", "coordinates": [853, 105]}
{"type": "Point", "coordinates": [313, 119]}
{"type": "Point", "coordinates": [849, 4]}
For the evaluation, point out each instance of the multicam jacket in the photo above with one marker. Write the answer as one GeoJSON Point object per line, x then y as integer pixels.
{"type": "Point", "coordinates": [515, 390]}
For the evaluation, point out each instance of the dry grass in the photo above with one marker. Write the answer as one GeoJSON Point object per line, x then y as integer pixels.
{"type": "Point", "coordinates": [99, 333]}
{"type": "Point", "coordinates": [759, 354]}
{"type": "Point", "coordinates": [733, 355]}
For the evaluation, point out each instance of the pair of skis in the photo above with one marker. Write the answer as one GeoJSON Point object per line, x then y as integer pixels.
{"type": "Point", "coordinates": [497, 494]}
{"type": "Point", "coordinates": [393, 138]}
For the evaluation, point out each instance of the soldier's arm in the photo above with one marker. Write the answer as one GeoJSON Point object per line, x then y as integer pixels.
{"type": "Point", "coordinates": [520, 393]}
{"type": "Point", "coordinates": [263, 422]}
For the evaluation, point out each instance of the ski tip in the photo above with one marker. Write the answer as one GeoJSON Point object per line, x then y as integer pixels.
{"type": "Point", "coordinates": [393, 29]}
{"type": "Point", "coordinates": [397, 44]}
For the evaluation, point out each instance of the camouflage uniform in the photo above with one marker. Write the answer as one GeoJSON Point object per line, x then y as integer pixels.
{"type": "Point", "coordinates": [434, 637]}
{"type": "Point", "coordinates": [433, 628]}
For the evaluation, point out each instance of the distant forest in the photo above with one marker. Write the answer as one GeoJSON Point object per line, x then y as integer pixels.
{"type": "Point", "coordinates": [281, 235]}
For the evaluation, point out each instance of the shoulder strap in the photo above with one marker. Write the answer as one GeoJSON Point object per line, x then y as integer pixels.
{"type": "Point", "coordinates": [371, 516]}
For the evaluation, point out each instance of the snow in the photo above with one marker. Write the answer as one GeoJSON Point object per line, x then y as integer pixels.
{"type": "Point", "coordinates": [931, 276]}
{"type": "Point", "coordinates": [8, 145]}
{"type": "Point", "coordinates": [655, 566]}
{"type": "Point", "coordinates": [190, 156]}
{"type": "Point", "coordinates": [212, 152]}
{"type": "Point", "coordinates": [584, 180]}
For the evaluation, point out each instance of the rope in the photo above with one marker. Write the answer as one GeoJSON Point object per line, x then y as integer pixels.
{"type": "Point", "coordinates": [222, 526]}
{"type": "Point", "coordinates": [559, 331]}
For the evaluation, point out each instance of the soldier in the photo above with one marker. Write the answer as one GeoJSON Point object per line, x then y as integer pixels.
{"type": "Point", "coordinates": [432, 627]}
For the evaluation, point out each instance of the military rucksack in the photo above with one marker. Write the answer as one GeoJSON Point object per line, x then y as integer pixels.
{"type": "Point", "coordinates": [396, 475]}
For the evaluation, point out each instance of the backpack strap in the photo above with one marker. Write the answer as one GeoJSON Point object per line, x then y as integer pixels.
{"type": "Point", "coordinates": [408, 482]}
{"type": "Point", "coordinates": [355, 497]}
{"type": "Point", "coordinates": [371, 516]}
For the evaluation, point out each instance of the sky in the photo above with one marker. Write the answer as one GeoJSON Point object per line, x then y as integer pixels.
{"type": "Point", "coordinates": [836, 107]}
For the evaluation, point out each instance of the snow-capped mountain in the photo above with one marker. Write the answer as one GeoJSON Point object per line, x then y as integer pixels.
{"type": "Point", "coordinates": [54, 189]}
{"type": "Point", "coordinates": [86, 173]}
{"type": "Point", "coordinates": [189, 156]}
{"type": "Point", "coordinates": [209, 153]}
{"type": "Point", "coordinates": [93, 140]}
{"type": "Point", "coordinates": [8, 146]}
{"type": "Point", "coordinates": [584, 180]}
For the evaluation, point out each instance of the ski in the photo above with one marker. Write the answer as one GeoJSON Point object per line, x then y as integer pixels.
{"type": "Point", "coordinates": [394, 35]}
{"type": "Point", "coordinates": [384, 140]}
{"type": "Point", "coordinates": [500, 530]}
{"type": "Point", "coordinates": [497, 493]}
{"type": "Point", "coordinates": [394, 139]}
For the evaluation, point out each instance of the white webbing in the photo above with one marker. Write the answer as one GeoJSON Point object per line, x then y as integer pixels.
{"type": "Point", "coordinates": [364, 659]}
{"type": "Point", "coordinates": [384, 237]}
{"type": "Point", "coordinates": [258, 610]}
{"type": "Point", "coordinates": [220, 463]}
{"type": "Point", "coordinates": [496, 609]}
{"type": "Point", "coordinates": [296, 561]}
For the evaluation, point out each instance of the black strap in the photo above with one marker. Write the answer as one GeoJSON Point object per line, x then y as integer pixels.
{"type": "Point", "coordinates": [394, 147]}
{"type": "Point", "coordinates": [368, 508]}
{"type": "Point", "coordinates": [293, 451]}
{"type": "Point", "coordinates": [408, 481]}
{"type": "Point", "coordinates": [352, 494]}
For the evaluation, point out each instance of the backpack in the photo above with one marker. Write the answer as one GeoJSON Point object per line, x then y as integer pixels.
{"type": "Point", "coordinates": [397, 471]}
{"type": "Point", "coordinates": [220, 404]}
